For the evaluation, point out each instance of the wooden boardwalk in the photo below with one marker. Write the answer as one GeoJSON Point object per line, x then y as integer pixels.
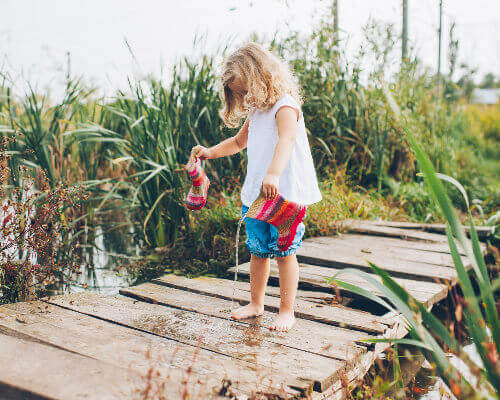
{"type": "Point", "coordinates": [173, 334]}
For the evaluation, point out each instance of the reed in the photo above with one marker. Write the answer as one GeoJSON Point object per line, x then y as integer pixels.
{"type": "Point", "coordinates": [152, 128]}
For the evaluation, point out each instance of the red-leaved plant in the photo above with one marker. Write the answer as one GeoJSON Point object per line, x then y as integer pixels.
{"type": "Point", "coordinates": [38, 249]}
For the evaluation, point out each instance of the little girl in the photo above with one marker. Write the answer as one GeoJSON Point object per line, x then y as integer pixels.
{"type": "Point", "coordinates": [259, 87]}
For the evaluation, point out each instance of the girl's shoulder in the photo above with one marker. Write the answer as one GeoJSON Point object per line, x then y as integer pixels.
{"type": "Point", "coordinates": [286, 100]}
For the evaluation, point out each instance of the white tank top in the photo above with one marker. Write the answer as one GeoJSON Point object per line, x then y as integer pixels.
{"type": "Point", "coordinates": [298, 182]}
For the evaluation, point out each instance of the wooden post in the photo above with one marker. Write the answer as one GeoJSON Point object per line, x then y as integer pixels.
{"type": "Point", "coordinates": [336, 20]}
{"type": "Point", "coordinates": [439, 43]}
{"type": "Point", "coordinates": [404, 38]}
{"type": "Point", "coordinates": [335, 14]}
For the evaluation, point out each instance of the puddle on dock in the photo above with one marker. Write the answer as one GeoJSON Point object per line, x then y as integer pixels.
{"type": "Point", "coordinates": [193, 328]}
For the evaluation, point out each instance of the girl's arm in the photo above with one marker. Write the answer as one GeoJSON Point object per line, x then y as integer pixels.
{"type": "Point", "coordinates": [286, 119]}
{"type": "Point", "coordinates": [225, 148]}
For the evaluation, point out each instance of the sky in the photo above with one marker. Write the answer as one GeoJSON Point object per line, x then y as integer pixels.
{"type": "Point", "coordinates": [36, 36]}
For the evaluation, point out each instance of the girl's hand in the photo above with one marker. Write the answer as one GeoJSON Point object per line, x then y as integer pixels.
{"type": "Point", "coordinates": [202, 152]}
{"type": "Point", "coordinates": [270, 186]}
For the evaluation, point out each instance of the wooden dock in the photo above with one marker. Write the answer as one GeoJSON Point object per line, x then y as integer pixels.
{"type": "Point", "coordinates": [174, 336]}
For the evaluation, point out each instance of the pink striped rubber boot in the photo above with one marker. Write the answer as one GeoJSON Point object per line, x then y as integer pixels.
{"type": "Point", "coordinates": [283, 214]}
{"type": "Point", "coordinates": [197, 195]}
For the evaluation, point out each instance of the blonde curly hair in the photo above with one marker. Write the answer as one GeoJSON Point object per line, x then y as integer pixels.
{"type": "Point", "coordinates": [267, 76]}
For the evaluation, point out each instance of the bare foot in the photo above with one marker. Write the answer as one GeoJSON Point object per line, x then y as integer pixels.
{"type": "Point", "coordinates": [283, 322]}
{"type": "Point", "coordinates": [250, 310]}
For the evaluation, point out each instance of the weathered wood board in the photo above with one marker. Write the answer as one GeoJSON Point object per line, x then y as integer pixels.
{"type": "Point", "coordinates": [30, 370]}
{"type": "Point", "coordinates": [483, 232]}
{"type": "Point", "coordinates": [333, 314]}
{"type": "Point", "coordinates": [367, 247]}
{"type": "Point", "coordinates": [316, 277]}
{"type": "Point", "coordinates": [214, 334]}
{"type": "Point", "coordinates": [343, 256]}
{"type": "Point", "coordinates": [118, 345]}
{"type": "Point", "coordinates": [368, 228]}
{"type": "Point", "coordinates": [349, 342]}
{"type": "Point", "coordinates": [176, 333]}
{"type": "Point", "coordinates": [410, 235]}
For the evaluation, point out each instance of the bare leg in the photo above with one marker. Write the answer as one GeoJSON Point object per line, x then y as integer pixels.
{"type": "Point", "coordinates": [259, 273]}
{"type": "Point", "coordinates": [289, 281]}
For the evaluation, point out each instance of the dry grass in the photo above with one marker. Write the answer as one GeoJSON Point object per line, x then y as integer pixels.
{"type": "Point", "coordinates": [343, 201]}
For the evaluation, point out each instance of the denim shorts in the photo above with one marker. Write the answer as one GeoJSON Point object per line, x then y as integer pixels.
{"type": "Point", "coordinates": [262, 238]}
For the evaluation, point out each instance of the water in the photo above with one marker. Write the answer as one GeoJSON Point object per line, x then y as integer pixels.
{"type": "Point", "coordinates": [431, 387]}
{"type": "Point", "coordinates": [103, 270]}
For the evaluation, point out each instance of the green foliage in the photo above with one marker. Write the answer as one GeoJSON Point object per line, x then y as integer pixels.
{"type": "Point", "coordinates": [205, 246]}
{"type": "Point", "coordinates": [414, 200]}
{"type": "Point", "coordinates": [39, 128]}
{"type": "Point", "coordinates": [147, 142]}
{"type": "Point", "coordinates": [349, 125]}
{"type": "Point", "coordinates": [153, 129]}
{"type": "Point", "coordinates": [129, 152]}
{"type": "Point", "coordinates": [195, 110]}
{"type": "Point", "coordinates": [485, 120]}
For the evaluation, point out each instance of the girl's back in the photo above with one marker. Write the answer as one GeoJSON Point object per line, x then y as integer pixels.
{"type": "Point", "coordinates": [298, 181]}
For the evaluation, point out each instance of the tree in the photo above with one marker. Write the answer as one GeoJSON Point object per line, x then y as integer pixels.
{"type": "Point", "coordinates": [488, 81]}
{"type": "Point", "coordinates": [451, 91]}
{"type": "Point", "coordinates": [466, 81]}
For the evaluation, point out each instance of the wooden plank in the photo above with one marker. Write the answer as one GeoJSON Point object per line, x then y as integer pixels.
{"type": "Point", "coordinates": [399, 243]}
{"type": "Point", "coordinates": [215, 334]}
{"type": "Point", "coordinates": [483, 232]}
{"type": "Point", "coordinates": [33, 371]}
{"type": "Point", "coordinates": [314, 276]}
{"type": "Point", "coordinates": [366, 227]}
{"type": "Point", "coordinates": [121, 346]}
{"type": "Point", "coordinates": [333, 314]}
{"type": "Point", "coordinates": [325, 255]}
{"type": "Point", "coordinates": [313, 296]}
{"type": "Point", "coordinates": [367, 246]}
{"type": "Point", "coordinates": [308, 295]}
{"type": "Point", "coordinates": [320, 342]}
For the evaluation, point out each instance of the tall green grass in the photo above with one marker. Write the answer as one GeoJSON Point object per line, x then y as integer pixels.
{"type": "Point", "coordinates": [38, 129]}
{"type": "Point", "coordinates": [129, 152]}
{"type": "Point", "coordinates": [154, 128]}
{"type": "Point", "coordinates": [347, 115]}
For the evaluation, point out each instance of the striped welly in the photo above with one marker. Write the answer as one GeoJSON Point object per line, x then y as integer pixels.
{"type": "Point", "coordinates": [283, 214]}
{"type": "Point", "coordinates": [197, 196]}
